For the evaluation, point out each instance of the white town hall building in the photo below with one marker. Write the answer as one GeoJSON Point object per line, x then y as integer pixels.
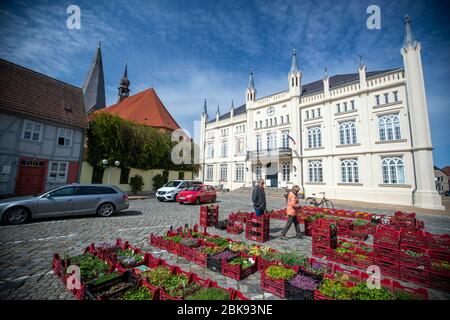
{"type": "Point", "coordinates": [363, 136]}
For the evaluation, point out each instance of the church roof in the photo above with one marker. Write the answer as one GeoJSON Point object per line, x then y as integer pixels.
{"type": "Point", "coordinates": [317, 86]}
{"type": "Point", "coordinates": [94, 84]}
{"type": "Point", "coordinates": [33, 94]}
{"type": "Point", "coordinates": [143, 108]}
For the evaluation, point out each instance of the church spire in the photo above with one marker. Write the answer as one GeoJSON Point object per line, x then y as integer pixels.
{"type": "Point", "coordinates": [251, 84]}
{"type": "Point", "coordinates": [294, 66]}
{"type": "Point", "coordinates": [410, 40]}
{"type": "Point", "coordinates": [205, 110]}
{"type": "Point", "coordinates": [94, 84]}
{"type": "Point", "coordinates": [124, 90]}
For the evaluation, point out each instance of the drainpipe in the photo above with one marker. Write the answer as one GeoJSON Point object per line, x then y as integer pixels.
{"type": "Point", "coordinates": [300, 139]}
{"type": "Point", "coordinates": [412, 148]}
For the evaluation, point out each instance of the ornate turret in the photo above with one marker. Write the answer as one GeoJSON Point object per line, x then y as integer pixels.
{"type": "Point", "coordinates": [123, 90]}
{"type": "Point", "coordinates": [295, 76]}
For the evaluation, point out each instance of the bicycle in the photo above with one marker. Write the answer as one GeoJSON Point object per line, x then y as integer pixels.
{"type": "Point", "coordinates": [324, 203]}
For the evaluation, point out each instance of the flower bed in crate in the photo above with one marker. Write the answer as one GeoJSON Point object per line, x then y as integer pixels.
{"type": "Point", "coordinates": [274, 279]}
{"type": "Point", "coordinates": [214, 262]}
{"type": "Point", "coordinates": [301, 287]}
{"type": "Point", "coordinates": [238, 267]}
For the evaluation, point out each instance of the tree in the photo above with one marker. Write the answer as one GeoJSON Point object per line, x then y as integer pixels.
{"type": "Point", "coordinates": [136, 183]}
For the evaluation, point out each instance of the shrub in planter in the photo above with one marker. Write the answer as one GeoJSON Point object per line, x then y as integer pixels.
{"type": "Point", "coordinates": [128, 257]}
{"type": "Point", "coordinates": [190, 242]}
{"type": "Point", "coordinates": [293, 259]}
{"type": "Point", "coordinates": [156, 276]}
{"type": "Point", "coordinates": [136, 183]}
{"type": "Point", "coordinates": [137, 293]}
{"type": "Point", "coordinates": [90, 266]}
{"type": "Point", "coordinates": [244, 262]}
{"type": "Point", "coordinates": [158, 181]}
{"type": "Point", "coordinates": [210, 294]}
{"type": "Point", "coordinates": [238, 247]}
{"type": "Point", "coordinates": [176, 239]}
{"type": "Point", "coordinates": [217, 241]}
{"type": "Point", "coordinates": [277, 272]}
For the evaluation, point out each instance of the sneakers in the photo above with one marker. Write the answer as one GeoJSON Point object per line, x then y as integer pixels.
{"type": "Point", "coordinates": [299, 236]}
{"type": "Point", "coordinates": [283, 237]}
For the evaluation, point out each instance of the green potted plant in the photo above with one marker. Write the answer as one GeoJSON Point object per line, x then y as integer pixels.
{"type": "Point", "coordinates": [136, 183]}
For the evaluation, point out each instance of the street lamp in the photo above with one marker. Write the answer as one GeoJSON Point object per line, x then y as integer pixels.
{"type": "Point", "coordinates": [105, 163]}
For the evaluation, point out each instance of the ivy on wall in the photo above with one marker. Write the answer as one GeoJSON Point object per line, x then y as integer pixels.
{"type": "Point", "coordinates": [135, 146]}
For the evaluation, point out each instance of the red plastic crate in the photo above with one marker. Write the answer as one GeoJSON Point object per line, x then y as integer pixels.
{"type": "Point", "coordinates": [415, 273]}
{"type": "Point", "coordinates": [235, 271]}
{"type": "Point", "coordinates": [423, 259]}
{"type": "Point", "coordinates": [440, 281]}
{"type": "Point", "coordinates": [414, 239]}
{"type": "Point", "coordinates": [438, 242]}
{"type": "Point", "coordinates": [388, 266]}
{"type": "Point", "coordinates": [320, 296]}
{"type": "Point", "coordinates": [276, 287]}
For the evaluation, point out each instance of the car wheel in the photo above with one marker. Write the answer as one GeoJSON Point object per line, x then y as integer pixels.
{"type": "Point", "coordinates": [16, 216]}
{"type": "Point", "coordinates": [213, 199]}
{"type": "Point", "coordinates": [197, 201]}
{"type": "Point", "coordinates": [105, 210]}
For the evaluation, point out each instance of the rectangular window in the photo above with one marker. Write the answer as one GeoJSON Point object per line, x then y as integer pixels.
{"type": "Point", "coordinates": [386, 98]}
{"type": "Point", "coordinates": [65, 137]}
{"type": "Point", "coordinates": [209, 172]}
{"type": "Point", "coordinates": [240, 172]}
{"type": "Point", "coordinates": [223, 172]}
{"type": "Point", "coordinates": [260, 123]}
{"type": "Point", "coordinates": [181, 175]}
{"type": "Point", "coordinates": [210, 150]}
{"type": "Point", "coordinates": [58, 171]}
{"type": "Point", "coordinates": [32, 131]}
{"type": "Point", "coordinates": [353, 104]}
{"type": "Point", "coordinates": [395, 96]}
{"type": "Point", "coordinates": [275, 121]}
{"type": "Point", "coordinates": [313, 113]}
{"type": "Point", "coordinates": [224, 149]}
{"type": "Point", "coordinates": [338, 107]}
{"type": "Point", "coordinates": [124, 175]}
{"type": "Point", "coordinates": [377, 99]}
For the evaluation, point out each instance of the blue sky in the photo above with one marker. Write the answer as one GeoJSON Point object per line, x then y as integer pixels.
{"type": "Point", "coordinates": [192, 50]}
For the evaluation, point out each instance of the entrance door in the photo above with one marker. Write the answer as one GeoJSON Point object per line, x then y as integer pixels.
{"type": "Point", "coordinates": [31, 176]}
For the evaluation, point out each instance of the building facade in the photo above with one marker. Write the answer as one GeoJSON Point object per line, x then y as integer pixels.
{"type": "Point", "coordinates": [42, 125]}
{"type": "Point", "coordinates": [363, 136]}
{"type": "Point", "coordinates": [442, 180]}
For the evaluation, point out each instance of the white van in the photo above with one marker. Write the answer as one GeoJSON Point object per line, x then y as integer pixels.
{"type": "Point", "coordinates": [169, 191]}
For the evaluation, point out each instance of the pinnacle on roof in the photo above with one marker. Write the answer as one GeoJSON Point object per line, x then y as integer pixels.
{"type": "Point", "coordinates": [94, 84]}
{"type": "Point", "coordinates": [294, 66]}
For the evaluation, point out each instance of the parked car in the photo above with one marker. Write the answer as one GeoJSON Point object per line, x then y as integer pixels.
{"type": "Point", "coordinates": [170, 190]}
{"type": "Point", "coordinates": [69, 200]}
{"type": "Point", "coordinates": [197, 194]}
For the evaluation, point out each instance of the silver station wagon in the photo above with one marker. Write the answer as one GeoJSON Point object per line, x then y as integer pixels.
{"type": "Point", "coordinates": [69, 200]}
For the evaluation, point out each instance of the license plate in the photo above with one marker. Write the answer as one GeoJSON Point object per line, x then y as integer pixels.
{"type": "Point", "coordinates": [181, 198]}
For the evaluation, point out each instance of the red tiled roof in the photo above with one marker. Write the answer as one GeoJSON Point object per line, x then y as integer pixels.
{"type": "Point", "coordinates": [30, 93]}
{"type": "Point", "coordinates": [446, 170]}
{"type": "Point", "coordinates": [144, 108]}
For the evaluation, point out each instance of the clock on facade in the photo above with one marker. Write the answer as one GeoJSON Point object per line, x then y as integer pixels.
{"type": "Point", "coordinates": [270, 111]}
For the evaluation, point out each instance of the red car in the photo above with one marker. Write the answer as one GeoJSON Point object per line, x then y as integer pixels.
{"type": "Point", "coordinates": [197, 194]}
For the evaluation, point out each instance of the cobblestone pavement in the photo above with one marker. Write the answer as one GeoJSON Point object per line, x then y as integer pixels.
{"type": "Point", "coordinates": [26, 251]}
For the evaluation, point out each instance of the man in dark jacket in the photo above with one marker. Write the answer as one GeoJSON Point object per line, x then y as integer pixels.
{"type": "Point", "coordinates": [259, 198]}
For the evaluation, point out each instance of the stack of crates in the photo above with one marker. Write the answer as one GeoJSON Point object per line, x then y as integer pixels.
{"type": "Point", "coordinates": [257, 228]}
{"type": "Point", "coordinates": [209, 216]}
{"type": "Point", "coordinates": [386, 243]}
{"type": "Point", "coordinates": [439, 254]}
{"type": "Point", "coordinates": [414, 258]}
{"type": "Point", "coordinates": [324, 238]}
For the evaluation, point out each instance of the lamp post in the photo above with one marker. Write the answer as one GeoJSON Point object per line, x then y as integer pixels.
{"type": "Point", "coordinates": [105, 163]}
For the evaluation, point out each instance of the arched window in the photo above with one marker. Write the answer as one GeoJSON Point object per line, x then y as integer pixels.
{"type": "Point", "coordinates": [271, 141]}
{"type": "Point", "coordinates": [315, 171]}
{"type": "Point", "coordinates": [314, 137]}
{"type": "Point", "coordinates": [349, 171]}
{"type": "Point", "coordinates": [286, 171]}
{"type": "Point", "coordinates": [389, 127]}
{"type": "Point", "coordinates": [347, 132]}
{"type": "Point", "coordinates": [393, 170]}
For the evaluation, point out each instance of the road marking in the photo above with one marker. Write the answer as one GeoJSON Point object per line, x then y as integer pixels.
{"type": "Point", "coordinates": [40, 239]}
{"type": "Point", "coordinates": [142, 228]}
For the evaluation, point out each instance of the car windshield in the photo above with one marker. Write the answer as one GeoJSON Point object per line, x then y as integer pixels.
{"type": "Point", "coordinates": [194, 188]}
{"type": "Point", "coordinates": [173, 184]}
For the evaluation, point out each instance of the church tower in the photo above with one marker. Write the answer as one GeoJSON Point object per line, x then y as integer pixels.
{"type": "Point", "coordinates": [94, 85]}
{"type": "Point", "coordinates": [123, 90]}
{"type": "Point", "coordinates": [295, 77]}
{"type": "Point", "coordinates": [251, 91]}
{"type": "Point", "coordinates": [425, 195]}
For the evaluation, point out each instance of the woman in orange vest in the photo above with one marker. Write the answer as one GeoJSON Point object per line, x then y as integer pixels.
{"type": "Point", "coordinates": [291, 210]}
